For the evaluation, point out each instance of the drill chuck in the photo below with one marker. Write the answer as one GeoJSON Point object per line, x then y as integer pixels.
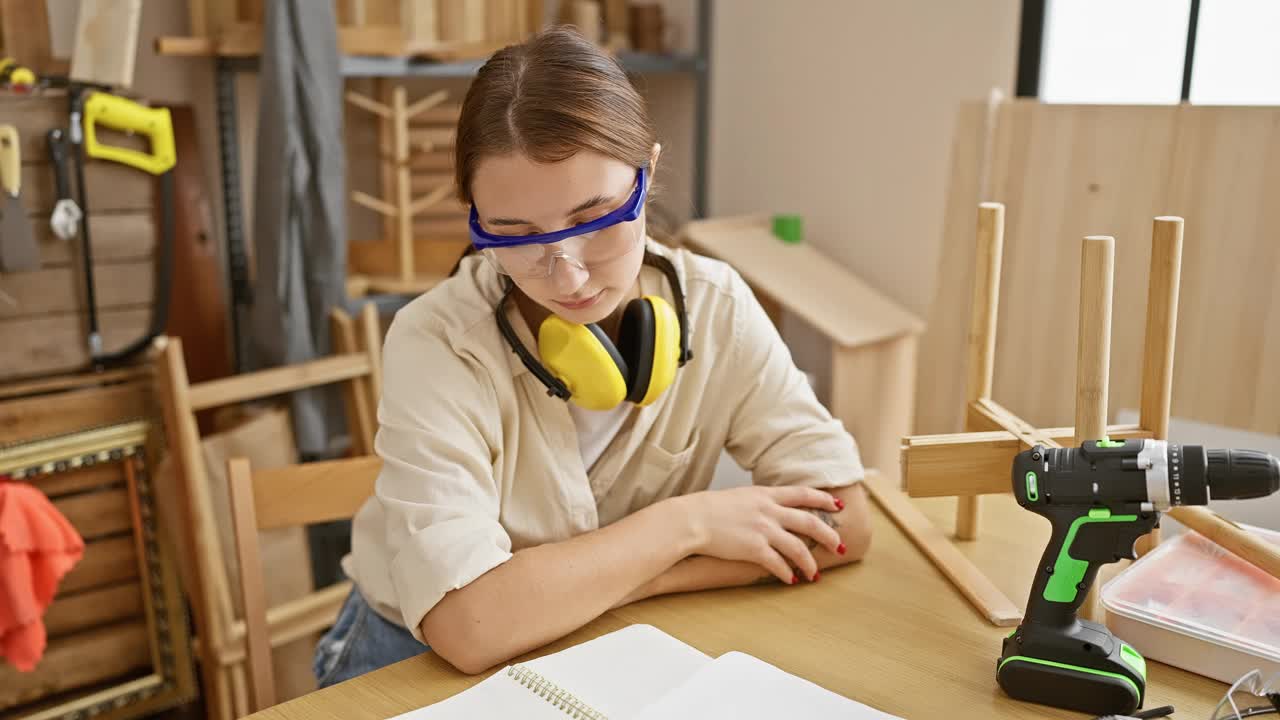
{"type": "Point", "coordinates": [1242, 474]}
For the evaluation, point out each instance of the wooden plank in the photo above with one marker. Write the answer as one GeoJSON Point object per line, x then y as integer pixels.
{"type": "Point", "coordinates": [961, 571]}
{"type": "Point", "coordinates": [975, 463]}
{"type": "Point", "coordinates": [94, 477]}
{"type": "Point", "coordinates": [1225, 179]}
{"type": "Point", "coordinates": [95, 515]}
{"type": "Point", "coordinates": [1064, 172]}
{"type": "Point", "coordinates": [808, 283]}
{"type": "Point", "coordinates": [116, 237]}
{"type": "Point", "coordinates": [379, 40]}
{"type": "Point", "coordinates": [105, 562]}
{"type": "Point", "coordinates": [940, 399]}
{"type": "Point", "coordinates": [431, 256]}
{"type": "Point", "coordinates": [25, 34]}
{"type": "Point", "coordinates": [79, 611]}
{"type": "Point", "coordinates": [112, 187]}
{"type": "Point", "coordinates": [313, 492]}
{"type": "Point", "coordinates": [76, 661]}
{"type": "Point", "coordinates": [33, 115]}
{"type": "Point", "coordinates": [268, 383]}
{"type": "Point", "coordinates": [418, 21]}
{"type": "Point", "coordinates": [32, 418]}
{"type": "Point", "coordinates": [126, 285]}
{"type": "Point", "coordinates": [57, 343]}
{"type": "Point", "coordinates": [360, 415]}
{"type": "Point", "coordinates": [106, 42]}
{"type": "Point", "coordinates": [72, 381]}
{"type": "Point", "coordinates": [252, 593]}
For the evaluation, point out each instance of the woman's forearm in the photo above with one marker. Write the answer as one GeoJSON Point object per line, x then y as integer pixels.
{"type": "Point", "coordinates": [706, 573]}
{"type": "Point", "coordinates": [545, 592]}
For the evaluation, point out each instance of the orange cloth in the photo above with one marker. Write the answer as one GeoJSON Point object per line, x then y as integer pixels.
{"type": "Point", "coordinates": [37, 547]}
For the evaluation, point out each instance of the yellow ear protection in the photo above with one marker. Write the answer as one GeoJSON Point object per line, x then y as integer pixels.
{"type": "Point", "coordinates": [584, 365]}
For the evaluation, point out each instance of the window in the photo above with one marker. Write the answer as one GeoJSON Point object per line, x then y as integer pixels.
{"type": "Point", "coordinates": [1150, 51]}
{"type": "Point", "coordinates": [1237, 59]}
{"type": "Point", "coordinates": [1114, 51]}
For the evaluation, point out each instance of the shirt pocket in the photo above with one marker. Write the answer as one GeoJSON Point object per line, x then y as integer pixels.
{"type": "Point", "coordinates": [662, 471]}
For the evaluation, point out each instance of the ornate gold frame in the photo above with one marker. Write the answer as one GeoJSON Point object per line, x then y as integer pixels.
{"type": "Point", "coordinates": [171, 681]}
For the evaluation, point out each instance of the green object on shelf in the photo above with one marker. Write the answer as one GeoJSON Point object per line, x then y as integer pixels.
{"type": "Point", "coordinates": [788, 228]}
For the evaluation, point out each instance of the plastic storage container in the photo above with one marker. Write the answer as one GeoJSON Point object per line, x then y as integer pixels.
{"type": "Point", "coordinates": [1191, 604]}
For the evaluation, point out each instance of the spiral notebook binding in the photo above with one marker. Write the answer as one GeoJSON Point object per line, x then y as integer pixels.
{"type": "Point", "coordinates": [559, 698]}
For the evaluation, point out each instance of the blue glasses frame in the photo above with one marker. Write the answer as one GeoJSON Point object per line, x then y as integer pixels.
{"type": "Point", "coordinates": [629, 211]}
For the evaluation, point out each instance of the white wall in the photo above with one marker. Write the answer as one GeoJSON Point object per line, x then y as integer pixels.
{"type": "Point", "coordinates": [841, 110]}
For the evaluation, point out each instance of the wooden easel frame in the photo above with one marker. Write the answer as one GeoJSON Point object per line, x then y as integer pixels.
{"type": "Point", "coordinates": [977, 462]}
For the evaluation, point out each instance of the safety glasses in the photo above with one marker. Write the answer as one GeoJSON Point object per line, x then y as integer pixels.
{"type": "Point", "coordinates": [1250, 696]}
{"type": "Point", "coordinates": [588, 245]}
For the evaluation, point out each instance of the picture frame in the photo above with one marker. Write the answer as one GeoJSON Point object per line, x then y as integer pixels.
{"type": "Point", "coordinates": [168, 677]}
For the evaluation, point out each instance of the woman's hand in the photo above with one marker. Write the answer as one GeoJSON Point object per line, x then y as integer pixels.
{"type": "Point", "coordinates": [767, 526]}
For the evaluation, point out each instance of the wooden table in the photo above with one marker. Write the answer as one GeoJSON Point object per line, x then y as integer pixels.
{"type": "Point", "coordinates": [889, 632]}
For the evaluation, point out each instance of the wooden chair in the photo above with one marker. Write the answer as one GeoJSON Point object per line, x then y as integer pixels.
{"type": "Point", "coordinates": [277, 498]}
{"type": "Point", "coordinates": [357, 363]}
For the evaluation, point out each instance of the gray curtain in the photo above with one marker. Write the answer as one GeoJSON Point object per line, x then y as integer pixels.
{"type": "Point", "coordinates": [299, 223]}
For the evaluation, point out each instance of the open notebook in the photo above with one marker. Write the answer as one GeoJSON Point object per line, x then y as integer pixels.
{"type": "Point", "coordinates": [641, 673]}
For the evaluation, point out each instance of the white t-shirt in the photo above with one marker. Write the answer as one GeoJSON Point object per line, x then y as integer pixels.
{"type": "Point", "coordinates": [596, 429]}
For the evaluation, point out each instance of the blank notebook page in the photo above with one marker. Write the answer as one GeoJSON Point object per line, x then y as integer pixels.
{"type": "Point", "coordinates": [739, 687]}
{"type": "Point", "coordinates": [618, 674]}
{"type": "Point", "coordinates": [621, 673]}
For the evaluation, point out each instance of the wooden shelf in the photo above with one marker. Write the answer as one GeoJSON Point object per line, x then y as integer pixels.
{"type": "Point", "coordinates": [807, 282]}
{"type": "Point", "coordinates": [377, 51]}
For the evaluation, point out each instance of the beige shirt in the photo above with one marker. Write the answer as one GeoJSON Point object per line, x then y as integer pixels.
{"type": "Point", "coordinates": [480, 462]}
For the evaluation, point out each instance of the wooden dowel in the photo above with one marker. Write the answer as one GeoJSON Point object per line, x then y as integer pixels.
{"type": "Point", "coordinates": [371, 330]}
{"type": "Point", "coordinates": [1231, 537]}
{"type": "Point", "coordinates": [1093, 356]}
{"type": "Point", "coordinates": [1162, 325]}
{"type": "Point", "coordinates": [982, 336]}
{"type": "Point", "coordinates": [369, 104]}
{"type": "Point", "coordinates": [404, 221]}
{"type": "Point", "coordinates": [425, 104]}
{"type": "Point", "coordinates": [432, 198]}
{"type": "Point", "coordinates": [374, 204]}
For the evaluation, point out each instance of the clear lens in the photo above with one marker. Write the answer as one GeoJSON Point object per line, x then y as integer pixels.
{"type": "Point", "coordinates": [590, 250]}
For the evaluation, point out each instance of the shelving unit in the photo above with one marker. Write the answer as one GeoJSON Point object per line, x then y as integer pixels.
{"type": "Point", "coordinates": [695, 64]}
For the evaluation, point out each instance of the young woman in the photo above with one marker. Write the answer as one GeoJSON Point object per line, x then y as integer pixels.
{"type": "Point", "coordinates": [553, 413]}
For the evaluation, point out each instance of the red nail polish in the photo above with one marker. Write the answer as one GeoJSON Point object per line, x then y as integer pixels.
{"type": "Point", "coordinates": [794, 579]}
{"type": "Point", "coordinates": [841, 548]}
{"type": "Point", "coordinates": [839, 504]}
{"type": "Point", "coordinates": [817, 576]}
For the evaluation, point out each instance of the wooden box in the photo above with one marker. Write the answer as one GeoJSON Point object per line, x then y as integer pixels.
{"type": "Point", "coordinates": [43, 313]}
{"type": "Point", "coordinates": [118, 640]}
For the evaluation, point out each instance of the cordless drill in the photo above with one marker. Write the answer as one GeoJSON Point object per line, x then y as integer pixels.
{"type": "Point", "coordinates": [1100, 498]}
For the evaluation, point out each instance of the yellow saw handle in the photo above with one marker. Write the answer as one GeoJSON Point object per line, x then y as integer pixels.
{"type": "Point", "coordinates": [10, 160]}
{"type": "Point", "coordinates": [126, 115]}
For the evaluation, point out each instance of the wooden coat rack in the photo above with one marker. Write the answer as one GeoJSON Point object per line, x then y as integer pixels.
{"type": "Point", "coordinates": [399, 207]}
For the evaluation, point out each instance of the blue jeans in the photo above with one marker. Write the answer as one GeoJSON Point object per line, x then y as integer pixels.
{"type": "Point", "coordinates": [360, 640]}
